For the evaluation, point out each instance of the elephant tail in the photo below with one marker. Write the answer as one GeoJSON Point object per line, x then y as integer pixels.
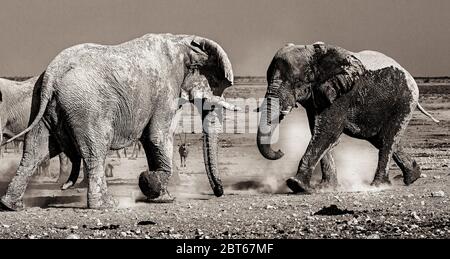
{"type": "Point", "coordinates": [45, 95]}
{"type": "Point", "coordinates": [426, 113]}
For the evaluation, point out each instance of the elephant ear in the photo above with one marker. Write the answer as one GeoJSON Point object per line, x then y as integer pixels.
{"type": "Point", "coordinates": [336, 71]}
{"type": "Point", "coordinates": [218, 61]}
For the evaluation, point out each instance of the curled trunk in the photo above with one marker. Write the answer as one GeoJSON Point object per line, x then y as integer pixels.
{"type": "Point", "coordinates": [267, 125]}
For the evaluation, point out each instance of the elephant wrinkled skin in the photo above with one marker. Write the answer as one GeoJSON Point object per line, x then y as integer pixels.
{"type": "Point", "coordinates": [365, 95]}
{"type": "Point", "coordinates": [94, 98]}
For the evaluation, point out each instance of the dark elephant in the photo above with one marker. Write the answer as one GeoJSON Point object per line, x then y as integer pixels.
{"type": "Point", "coordinates": [365, 95]}
{"type": "Point", "coordinates": [94, 98]}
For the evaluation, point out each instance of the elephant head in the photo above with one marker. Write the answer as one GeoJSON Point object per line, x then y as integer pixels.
{"type": "Point", "coordinates": [313, 74]}
{"type": "Point", "coordinates": [208, 74]}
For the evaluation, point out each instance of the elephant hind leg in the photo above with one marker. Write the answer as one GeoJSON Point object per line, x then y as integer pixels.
{"type": "Point", "coordinates": [39, 147]}
{"type": "Point", "coordinates": [329, 175]}
{"type": "Point", "coordinates": [410, 168]}
{"type": "Point", "coordinates": [387, 141]}
{"type": "Point", "coordinates": [93, 145]}
{"type": "Point", "coordinates": [98, 197]}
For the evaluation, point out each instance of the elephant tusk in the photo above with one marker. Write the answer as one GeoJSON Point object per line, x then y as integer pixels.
{"type": "Point", "coordinates": [287, 111]}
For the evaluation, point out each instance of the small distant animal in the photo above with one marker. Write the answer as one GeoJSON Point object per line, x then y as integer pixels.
{"type": "Point", "coordinates": [183, 150]}
{"type": "Point", "coordinates": [109, 170]}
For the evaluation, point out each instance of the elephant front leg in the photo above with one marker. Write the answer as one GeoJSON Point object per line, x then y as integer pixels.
{"type": "Point", "coordinates": [327, 131]}
{"type": "Point", "coordinates": [327, 164]}
{"type": "Point", "coordinates": [158, 146]}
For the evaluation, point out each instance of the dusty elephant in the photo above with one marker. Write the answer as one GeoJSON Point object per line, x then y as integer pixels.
{"type": "Point", "coordinates": [15, 109]}
{"type": "Point", "coordinates": [94, 98]}
{"type": "Point", "coordinates": [365, 95]}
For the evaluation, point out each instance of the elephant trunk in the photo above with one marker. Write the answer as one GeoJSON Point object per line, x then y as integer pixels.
{"type": "Point", "coordinates": [1, 133]}
{"type": "Point", "coordinates": [210, 150]}
{"type": "Point", "coordinates": [267, 125]}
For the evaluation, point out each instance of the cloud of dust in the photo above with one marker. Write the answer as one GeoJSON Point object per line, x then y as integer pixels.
{"type": "Point", "coordinates": [270, 176]}
{"type": "Point", "coordinates": [356, 161]}
{"type": "Point", "coordinates": [8, 168]}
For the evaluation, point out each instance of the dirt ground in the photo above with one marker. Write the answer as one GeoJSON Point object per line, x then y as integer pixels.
{"type": "Point", "coordinates": [256, 203]}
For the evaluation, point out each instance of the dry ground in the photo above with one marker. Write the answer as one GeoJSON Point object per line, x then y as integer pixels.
{"type": "Point", "coordinates": [256, 203]}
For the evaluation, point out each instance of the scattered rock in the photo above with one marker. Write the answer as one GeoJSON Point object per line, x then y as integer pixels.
{"type": "Point", "coordinates": [146, 223]}
{"type": "Point", "coordinates": [73, 236]}
{"type": "Point", "coordinates": [353, 221]}
{"type": "Point", "coordinates": [373, 236]}
{"type": "Point", "coordinates": [415, 216]}
{"type": "Point", "coordinates": [107, 227]}
{"type": "Point", "coordinates": [333, 210]}
{"type": "Point", "coordinates": [360, 228]}
{"type": "Point", "coordinates": [414, 226]}
{"type": "Point", "coordinates": [270, 207]}
{"type": "Point", "coordinates": [357, 203]}
{"type": "Point", "coordinates": [200, 235]}
{"type": "Point", "coordinates": [438, 194]}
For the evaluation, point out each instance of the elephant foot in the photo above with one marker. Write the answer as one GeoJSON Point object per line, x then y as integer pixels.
{"type": "Point", "coordinates": [411, 176]}
{"type": "Point", "coordinates": [164, 198]}
{"type": "Point", "coordinates": [67, 185]}
{"type": "Point", "coordinates": [378, 182]}
{"type": "Point", "coordinates": [7, 205]}
{"type": "Point", "coordinates": [298, 186]}
{"type": "Point", "coordinates": [105, 202]}
{"type": "Point", "coordinates": [153, 184]}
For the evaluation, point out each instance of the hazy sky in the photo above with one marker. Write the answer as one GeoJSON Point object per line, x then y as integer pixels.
{"type": "Point", "coordinates": [414, 32]}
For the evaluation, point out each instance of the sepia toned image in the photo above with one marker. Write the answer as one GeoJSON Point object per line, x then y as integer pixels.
{"type": "Point", "coordinates": [240, 119]}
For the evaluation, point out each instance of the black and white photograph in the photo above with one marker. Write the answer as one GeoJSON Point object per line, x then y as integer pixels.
{"type": "Point", "coordinates": [248, 120]}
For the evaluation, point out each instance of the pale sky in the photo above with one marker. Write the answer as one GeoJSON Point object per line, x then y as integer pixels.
{"type": "Point", "coordinates": [414, 32]}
